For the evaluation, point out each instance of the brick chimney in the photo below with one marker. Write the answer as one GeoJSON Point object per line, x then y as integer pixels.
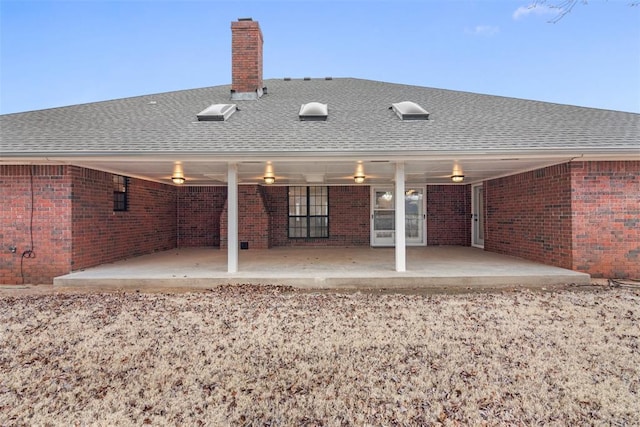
{"type": "Point", "coordinates": [246, 59]}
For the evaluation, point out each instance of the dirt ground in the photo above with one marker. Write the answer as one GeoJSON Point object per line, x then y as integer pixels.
{"type": "Point", "coordinates": [260, 355]}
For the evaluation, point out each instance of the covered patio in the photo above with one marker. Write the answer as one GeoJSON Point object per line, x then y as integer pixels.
{"type": "Point", "coordinates": [324, 268]}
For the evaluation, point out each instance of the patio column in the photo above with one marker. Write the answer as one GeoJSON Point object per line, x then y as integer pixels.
{"type": "Point", "coordinates": [232, 218]}
{"type": "Point", "coordinates": [401, 250]}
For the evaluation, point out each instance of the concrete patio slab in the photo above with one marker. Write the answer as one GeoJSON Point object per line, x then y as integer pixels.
{"type": "Point", "coordinates": [324, 268]}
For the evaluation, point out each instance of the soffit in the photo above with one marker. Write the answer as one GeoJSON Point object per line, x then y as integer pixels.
{"type": "Point", "coordinates": [212, 172]}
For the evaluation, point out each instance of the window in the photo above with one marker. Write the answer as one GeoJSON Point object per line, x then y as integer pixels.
{"type": "Point", "coordinates": [308, 212]}
{"type": "Point", "coordinates": [120, 187]}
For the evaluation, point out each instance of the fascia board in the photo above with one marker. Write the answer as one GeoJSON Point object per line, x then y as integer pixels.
{"type": "Point", "coordinates": [602, 154]}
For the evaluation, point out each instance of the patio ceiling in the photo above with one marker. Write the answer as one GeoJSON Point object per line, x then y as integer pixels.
{"type": "Point", "coordinates": [207, 171]}
{"type": "Point", "coordinates": [212, 171]}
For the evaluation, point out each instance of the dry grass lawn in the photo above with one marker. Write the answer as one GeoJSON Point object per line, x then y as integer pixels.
{"type": "Point", "coordinates": [266, 356]}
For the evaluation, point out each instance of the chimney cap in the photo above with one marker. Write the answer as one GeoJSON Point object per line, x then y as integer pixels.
{"type": "Point", "coordinates": [245, 19]}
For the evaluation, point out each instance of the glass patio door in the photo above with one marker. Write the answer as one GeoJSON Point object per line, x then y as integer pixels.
{"type": "Point", "coordinates": [477, 226]}
{"type": "Point", "coordinates": [383, 217]}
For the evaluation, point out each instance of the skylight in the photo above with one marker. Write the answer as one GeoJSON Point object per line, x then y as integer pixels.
{"type": "Point", "coordinates": [408, 110]}
{"type": "Point", "coordinates": [313, 111]}
{"type": "Point", "coordinates": [217, 112]}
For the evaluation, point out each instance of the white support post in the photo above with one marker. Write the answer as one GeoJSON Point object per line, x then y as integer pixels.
{"type": "Point", "coordinates": [401, 249]}
{"type": "Point", "coordinates": [232, 218]}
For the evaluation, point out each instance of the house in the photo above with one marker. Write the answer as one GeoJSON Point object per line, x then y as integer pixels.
{"type": "Point", "coordinates": [317, 162]}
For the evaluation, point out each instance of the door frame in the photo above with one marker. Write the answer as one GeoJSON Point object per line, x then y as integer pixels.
{"type": "Point", "coordinates": [475, 238]}
{"type": "Point", "coordinates": [372, 196]}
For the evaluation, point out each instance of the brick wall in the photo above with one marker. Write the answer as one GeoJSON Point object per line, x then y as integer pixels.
{"type": "Point", "coordinates": [529, 215]}
{"type": "Point", "coordinates": [101, 235]}
{"type": "Point", "coordinates": [199, 211]}
{"type": "Point", "coordinates": [582, 215]}
{"type": "Point", "coordinates": [349, 213]}
{"type": "Point", "coordinates": [276, 203]}
{"type": "Point", "coordinates": [449, 215]}
{"type": "Point", "coordinates": [51, 224]}
{"type": "Point", "coordinates": [606, 218]}
{"type": "Point", "coordinates": [253, 219]}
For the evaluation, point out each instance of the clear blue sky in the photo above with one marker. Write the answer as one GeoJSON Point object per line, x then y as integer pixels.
{"type": "Point", "coordinates": [56, 53]}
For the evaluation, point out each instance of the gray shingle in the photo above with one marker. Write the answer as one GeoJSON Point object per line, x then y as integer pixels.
{"type": "Point", "coordinates": [359, 120]}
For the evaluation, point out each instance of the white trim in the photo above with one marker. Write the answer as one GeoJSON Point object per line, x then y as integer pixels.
{"type": "Point", "coordinates": [372, 211]}
{"type": "Point", "coordinates": [559, 156]}
{"type": "Point", "coordinates": [372, 203]}
{"type": "Point", "coordinates": [232, 218]}
{"type": "Point", "coordinates": [423, 188]}
{"type": "Point", "coordinates": [474, 236]}
{"type": "Point", "coordinates": [401, 246]}
{"type": "Point", "coordinates": [425, 206]}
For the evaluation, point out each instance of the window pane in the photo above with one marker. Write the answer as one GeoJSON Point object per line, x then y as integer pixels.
{"type": "Point", "coordinates": [119, 183]}
{"type": "Point", "coordinates": [318, 204]}
{"type": "Point", "coordinates": [297, 227]}
{"type": "Point", "coordinates": [297, 201]}
{"type": "Point", "coordinates": [314, 209]}
{"type": "Point", "coordinates": [119, 201]}
{"type": "Point", "coordinates": [119, 193]}
{"type": "Point", "coordinates": [318, 191]}
{"type": "Point", "coordinates": [384, 200]}
{"type": "Point", "coordinates": [384, 220]}
{"type": "Point", "coordinates": [318, 227]}
{"type": "Point", "coordinates": [308, 212]}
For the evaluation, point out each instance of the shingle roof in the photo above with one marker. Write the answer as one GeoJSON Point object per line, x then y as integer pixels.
{"type": "Point", "coordinates": [359, 121]}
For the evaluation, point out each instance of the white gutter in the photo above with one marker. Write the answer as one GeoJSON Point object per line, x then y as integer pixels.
{"type": "Point", "coordinates": [601, 154]}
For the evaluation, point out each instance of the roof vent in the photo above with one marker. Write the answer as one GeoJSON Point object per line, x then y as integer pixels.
{"type": "Point", "coordinates": [217, 112]}
{"type": "Point", "coordinates": [313, 111]}
{"type": "Point", "coordinates": [408, 110]}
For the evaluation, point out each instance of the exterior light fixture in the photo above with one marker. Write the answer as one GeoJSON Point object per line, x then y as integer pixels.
{"type": "Point", "coordinates": [178, 174]}
{"type": "Point", "coordinates": [457, 178]}
{"type": "Point", "coordinates": [269, 176]}
{"type": "Point", "coordinates": [359, 175]}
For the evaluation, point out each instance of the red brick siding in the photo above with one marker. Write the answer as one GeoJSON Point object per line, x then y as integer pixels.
{"type": "Point", "coordinates": [349, 216]}
{"type": "Point", "coordinates": [582, 215]}
{"type": "Point", "coordinates": [449, 215]}
{"type": "Point", "coordinates": [199, 211]}
{"type": "Point", "coordinates": [276, 203]}
{"type": "Point", "coordinates": [101, 235]}
{"type": "Point", "coordinates": [51, 223]}
{"type": "Point", "coordinates": [246, 57]}
{"type": "Point", "coordinates": [253, 219]}
{"type": "Point", "coordinates": [606, 218]}
{"type": "Point", "coordinates": [529, 215]}
{"type": "Point", "coordinates": [448, 210]}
